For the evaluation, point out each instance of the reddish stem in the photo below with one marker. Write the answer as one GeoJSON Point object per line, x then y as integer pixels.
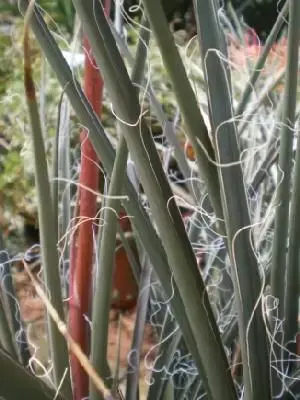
{"type": "Point", "coordinates": [82, 246]}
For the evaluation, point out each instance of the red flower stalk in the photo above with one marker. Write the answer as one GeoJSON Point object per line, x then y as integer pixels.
{"type": "Point", "coordinates": [82, 246]}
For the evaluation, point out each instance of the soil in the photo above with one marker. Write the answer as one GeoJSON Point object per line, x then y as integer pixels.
{"type": "Point", "coordinates": [120, 331]}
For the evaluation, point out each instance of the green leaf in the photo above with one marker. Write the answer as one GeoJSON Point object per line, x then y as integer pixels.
{"type": "Point", "coordinates": [245, 273]}
{"type": "Point", "coordinates": [18, 383]}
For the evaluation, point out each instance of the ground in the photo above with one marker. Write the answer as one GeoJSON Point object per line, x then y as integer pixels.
{"type": "Point", "coordinates": [33, 315]}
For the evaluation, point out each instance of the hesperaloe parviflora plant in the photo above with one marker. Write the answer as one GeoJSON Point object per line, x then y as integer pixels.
{"type": "Point", "coordinates": [241, 191]}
